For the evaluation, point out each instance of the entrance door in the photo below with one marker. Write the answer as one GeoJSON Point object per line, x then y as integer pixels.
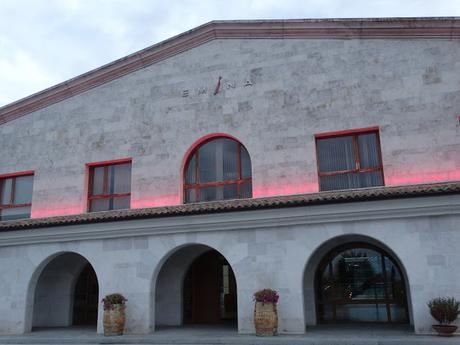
{"type": "Point", "coordinates": [209, 291]}
{"type": "Point", "coordinates": [86, 298]}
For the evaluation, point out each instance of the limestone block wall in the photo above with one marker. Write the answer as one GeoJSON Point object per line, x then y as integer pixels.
{"type": "Point", "coordinates": [275, 95]}
{"type": "Point", "coordinates": [277, 248]}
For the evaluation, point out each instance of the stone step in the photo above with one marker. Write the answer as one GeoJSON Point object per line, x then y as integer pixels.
{"type": "Point", "coordinates": [236, 340]}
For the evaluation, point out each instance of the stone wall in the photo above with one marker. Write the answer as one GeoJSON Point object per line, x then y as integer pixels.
{"type": "Point", "coordinates": [274, 96]}
{"type": "Point", "coordinates": [277, 248]}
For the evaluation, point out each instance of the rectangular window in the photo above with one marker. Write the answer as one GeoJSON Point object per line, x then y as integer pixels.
{"type": "Point", "coordinates": [348, 160]}
{"type": "Point", "coordinates": [109, 186]}
{"type": "Point", "coordinates": [16, 196]}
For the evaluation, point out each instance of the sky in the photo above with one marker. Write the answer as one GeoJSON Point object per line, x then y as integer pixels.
{"type": "Point", "coordinates": [45, 42]}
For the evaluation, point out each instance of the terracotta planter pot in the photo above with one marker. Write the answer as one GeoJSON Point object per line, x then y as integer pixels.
{"type": "Point", "coordinates": [266, 319]}
{"type": "Point", "coordinates": [114, 320]}
{"type": "Point", "coordinates": [445, 330]}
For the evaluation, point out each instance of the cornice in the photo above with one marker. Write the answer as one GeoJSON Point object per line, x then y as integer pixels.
{"type": "Point", "coordinates": [377, 28]}
{"type": "Point", "coordinates": [278, 218]}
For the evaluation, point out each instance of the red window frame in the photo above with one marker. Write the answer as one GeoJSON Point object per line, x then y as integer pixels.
{"type": "Point", "coordinates": [11, 203]}
{"type": "Point", "coordinates": [198, 186]}
{"type": "Point", "coordinates": [354, 133]}
{"type": "Point", "coordinates": [105, 187]}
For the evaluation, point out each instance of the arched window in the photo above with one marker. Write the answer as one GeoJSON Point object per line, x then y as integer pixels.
{"type": "Point", "coordinates": [218, 169]}
{"type": "Point", "coordinates": [360, 283]}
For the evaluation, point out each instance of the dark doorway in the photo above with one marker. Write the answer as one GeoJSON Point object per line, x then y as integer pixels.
{"type": "Point", "coordinates": [210, 291]}
{"type": "Point", "coordinates": [86, 298]}
{"type": "Point", "coordinates": [359, 282]}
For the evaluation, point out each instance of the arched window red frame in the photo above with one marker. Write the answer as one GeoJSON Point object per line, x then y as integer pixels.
{"type": "Point", "coordinates": [219, 168]}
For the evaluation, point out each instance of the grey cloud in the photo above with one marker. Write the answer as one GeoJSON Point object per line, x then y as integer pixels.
{"type": "Point", "coordinates": [61, 39]}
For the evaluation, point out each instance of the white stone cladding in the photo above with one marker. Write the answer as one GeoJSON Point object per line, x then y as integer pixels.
{"type": "Point", "coordinates": [275, 95]}
{"type": "Point", "coordinates": [410, 89]}
{"type": "Point", "coordinates": [266, 248]}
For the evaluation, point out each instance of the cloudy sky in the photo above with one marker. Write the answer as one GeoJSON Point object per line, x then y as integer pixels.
{"type": "Point", "coordinates": [44, 42]}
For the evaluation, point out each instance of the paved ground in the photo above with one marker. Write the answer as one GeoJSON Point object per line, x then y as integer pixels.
{"type": "Point", "coordinates": [320, 335]}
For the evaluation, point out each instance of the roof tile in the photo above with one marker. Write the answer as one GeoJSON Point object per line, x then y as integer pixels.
{"type": "Point", "coordinates": [353, 195]}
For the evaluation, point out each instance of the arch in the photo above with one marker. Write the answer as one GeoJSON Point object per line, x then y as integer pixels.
{"type": "Point", "coordinates": [170, 277]}
{"type": "Point", "coordinates": [344, 242]}
{"type": "Point", "coordinates": [51, 290]}
{"type": "Point", "coordinates": [237, 183]}
{"type": "Point", "coordinates": [86, 297]}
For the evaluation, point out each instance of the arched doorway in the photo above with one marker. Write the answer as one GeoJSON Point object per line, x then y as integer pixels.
{"type": "Point", "coordinates": [209, 291]}
{"type": "Point", "coordinates": [86, 297]}
{"type": "Point", "coordinates": [195, 285]}
{"type": "Point", "coordinates": [360, 282]}
{"type": "Point", "coordinates": [66, 293]}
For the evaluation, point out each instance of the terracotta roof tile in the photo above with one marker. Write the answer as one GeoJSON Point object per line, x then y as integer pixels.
{"type": "Point", "coordinates": [353, 195]}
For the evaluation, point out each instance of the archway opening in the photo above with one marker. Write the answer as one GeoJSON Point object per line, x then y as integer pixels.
{"type": "Point", "coordinates": [66, 293]}
{"type": "Point", "coordinates": [360, 282]}
{"type": "Point", "coordinates": [196, 286]}
{"type": "Point", "coordinates": [209, 291]}
{"type": "Point", "coordinates": [86, 298]}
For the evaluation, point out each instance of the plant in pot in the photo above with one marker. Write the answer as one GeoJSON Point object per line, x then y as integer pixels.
{"type": "Point", "coordinates": [265, 312]}
{"type": "Point", "coordinates": [445, 310]}
{"type": "Point", "coordinates": [114, 314]}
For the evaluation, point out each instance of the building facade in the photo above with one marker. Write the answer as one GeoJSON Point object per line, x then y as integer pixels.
{"type": "Point", "coordinates": [319, 158]}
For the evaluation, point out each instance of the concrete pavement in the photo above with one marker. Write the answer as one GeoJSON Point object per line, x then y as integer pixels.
{"type": "Point", "coordinates": [207, 335]}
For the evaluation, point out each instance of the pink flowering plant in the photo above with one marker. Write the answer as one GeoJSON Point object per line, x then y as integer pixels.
{"type": "Point", "coordinates": [113, 299]}
{"type": "Point", "coordinates": [266, 296]}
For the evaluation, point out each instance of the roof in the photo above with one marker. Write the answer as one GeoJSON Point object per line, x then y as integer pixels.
{"type": "Point", "coordinates": [373, 28]}
{"type": "Point", "coordinates": [354, 195]}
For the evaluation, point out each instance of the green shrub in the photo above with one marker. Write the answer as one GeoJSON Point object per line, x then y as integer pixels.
{"type": "Point", "coordinates": [444, 309]}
